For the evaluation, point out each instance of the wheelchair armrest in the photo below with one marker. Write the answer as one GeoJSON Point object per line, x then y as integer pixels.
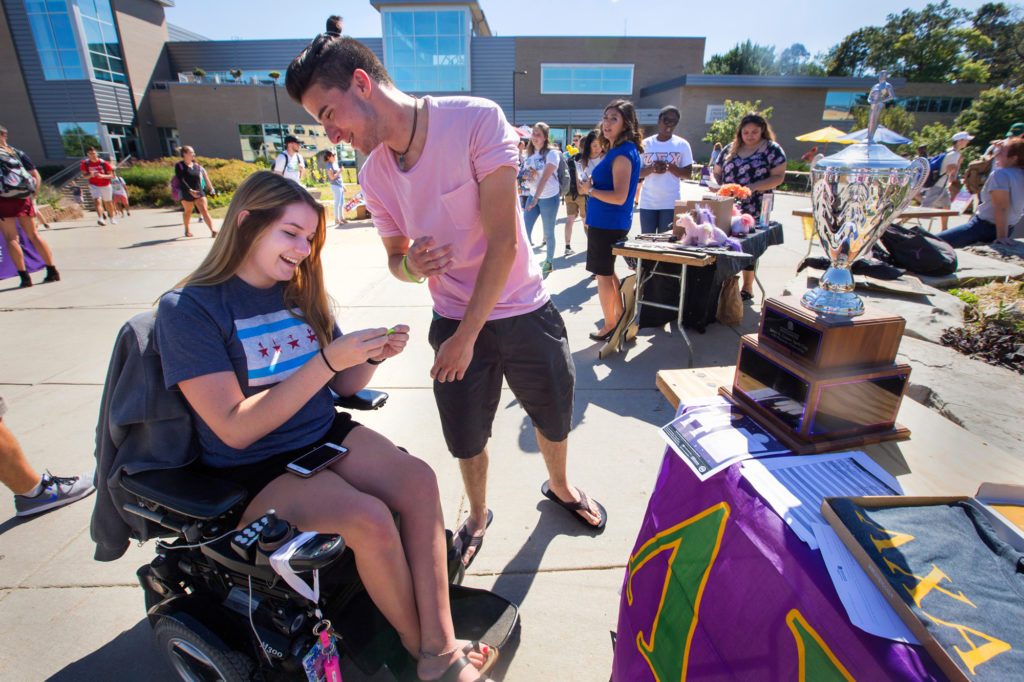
{"type": "Point", "coordinates": [185, 492]}
{"type": "Point", "coordinates": [365, 399]}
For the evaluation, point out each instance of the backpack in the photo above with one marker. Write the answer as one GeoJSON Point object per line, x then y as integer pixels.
{"type": "Point", "coordinates": [976, 174]}
{"type": "Point", "coordinates": [175, 186]}
{"type": "Point", "coordinates": [919, 251]}
{"type": "Point", "coordinates": [934, 168]}
{"type": "Point", "coordinates": [15, 181]}
{"type": "Point", "coordinates": [563, 175]}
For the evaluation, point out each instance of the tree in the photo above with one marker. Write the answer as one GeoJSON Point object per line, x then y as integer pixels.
{"type": "Point", "coordinates": [937, 44]}
{"type": "Point", "coordinates": [991, 114]}
{"type": "Point", "coordinates": [849, 57]}
{"type": "Point", "coordinates": [745, 58]}
{"type": "Point", "coordinates": [795, 61]}
{"type": "Point", "coordinates": [1005, 29]}
{"type": "Point", "coordinates": [724, 130]}
{"type": "Point", "coordinates": [759, 60]}
{"type": "Point", "coordinates": [935, 137]}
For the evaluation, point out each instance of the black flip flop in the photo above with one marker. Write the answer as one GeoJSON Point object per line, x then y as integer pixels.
{"type": "Point", "coordinates": [575, 507]}
{"type": "Point", "coordinates": [464, 540]}
{"type": "Point", "coordinates": [453, 671]}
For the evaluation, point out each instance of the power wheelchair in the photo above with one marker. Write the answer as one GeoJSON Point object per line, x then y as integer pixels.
{"type": "Point", "coordinates": [220, 611]}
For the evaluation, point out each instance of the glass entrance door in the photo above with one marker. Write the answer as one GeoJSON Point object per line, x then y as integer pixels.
{"type": "Point", "coordinates": [124, 141]}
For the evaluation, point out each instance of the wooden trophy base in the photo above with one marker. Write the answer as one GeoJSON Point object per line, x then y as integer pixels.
{"type": "Point", "coordinates": [828, 341]}
{"type": "Point", "coordinates": [800, 446]}
{"type": "Point", "coordinates": [813, 409]}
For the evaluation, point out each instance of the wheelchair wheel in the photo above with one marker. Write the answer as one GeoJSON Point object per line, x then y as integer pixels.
{"type": "Point", "coordinates": [195, 660]}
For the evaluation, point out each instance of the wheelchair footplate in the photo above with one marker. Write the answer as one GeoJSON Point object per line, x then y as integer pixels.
{"type": "Point", "coordinates": [370, 643]}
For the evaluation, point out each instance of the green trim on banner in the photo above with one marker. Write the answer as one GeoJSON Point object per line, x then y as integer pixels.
{"type": "Point", "coordinates": [684, 585]}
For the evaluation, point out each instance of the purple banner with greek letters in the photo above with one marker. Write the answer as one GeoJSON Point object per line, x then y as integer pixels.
{"type": "Point", "coordinates": [718, 588]}
{"type": "Point", "coordinates": [32, 260]}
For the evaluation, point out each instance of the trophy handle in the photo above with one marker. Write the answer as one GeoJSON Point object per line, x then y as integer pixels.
{"type": "Point", "coordinates": [920, 169]}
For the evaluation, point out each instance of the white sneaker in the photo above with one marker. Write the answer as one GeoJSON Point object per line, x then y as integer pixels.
{"type": "Point", "coordinates": [100, 221]}
{"type": "Point", "coordinates": [57, 491]}
{"type": "Point", "coordinates": [113, 221]}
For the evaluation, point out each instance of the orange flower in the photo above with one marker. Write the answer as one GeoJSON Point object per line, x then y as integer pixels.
{"type": "Point", "coordinates": [734, 190]}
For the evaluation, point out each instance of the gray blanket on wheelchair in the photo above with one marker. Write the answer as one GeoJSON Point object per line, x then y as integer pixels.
{"type": "Point", "coordinates": [142, 426]}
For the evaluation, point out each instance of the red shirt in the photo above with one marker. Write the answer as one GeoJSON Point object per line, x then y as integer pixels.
{"type": "Point", "coordinates": [97, 166]}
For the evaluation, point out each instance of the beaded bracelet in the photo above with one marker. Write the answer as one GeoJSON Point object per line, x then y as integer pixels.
{"type": "Point", "coordinates": [408, 274]}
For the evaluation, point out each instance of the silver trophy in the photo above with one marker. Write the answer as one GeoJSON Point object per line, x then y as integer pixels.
{"type": "Point", "coordinates": [856, 193]}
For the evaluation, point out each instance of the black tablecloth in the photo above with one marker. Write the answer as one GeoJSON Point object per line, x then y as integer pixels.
{"type": "Point", "coordinates": [702, 284]}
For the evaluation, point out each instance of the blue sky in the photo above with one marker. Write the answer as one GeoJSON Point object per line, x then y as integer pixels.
{"type": "Point", "coordinates": [779, 22]}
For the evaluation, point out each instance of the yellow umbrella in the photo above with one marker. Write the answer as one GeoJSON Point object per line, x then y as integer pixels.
{"type": "Point", "coordinates": [827, 134]}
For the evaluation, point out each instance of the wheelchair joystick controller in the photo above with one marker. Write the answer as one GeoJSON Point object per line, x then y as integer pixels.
{"type": "Point", "coordinates": [275, 532]}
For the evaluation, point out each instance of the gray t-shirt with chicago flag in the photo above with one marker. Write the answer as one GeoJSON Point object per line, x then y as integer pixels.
{"type": "Point", "coordinates": [235, 327]}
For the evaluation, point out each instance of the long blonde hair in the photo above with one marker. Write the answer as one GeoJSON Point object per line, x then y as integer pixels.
{"type": "Point", "coordinates": [265, 195]}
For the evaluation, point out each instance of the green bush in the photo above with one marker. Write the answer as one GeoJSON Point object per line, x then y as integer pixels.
{"type": "Point", "coordinates": [48, 196]}
{"type": "Point", "coordinates": [137, 195]}
{"type": "Point", "coordinates": [227, 175]}
{"type": "Point", "coordinates": [797, 165]}
{"type": "Point", "coordinates": [157, 195]}
{"type": "Point", "coordinates": [147, 174]}
{"type": "Point", "coordinates": [219, 200]}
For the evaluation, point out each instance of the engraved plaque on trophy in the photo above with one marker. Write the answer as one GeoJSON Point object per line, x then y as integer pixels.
{"type": "Point", "coordinates": [820, 374]}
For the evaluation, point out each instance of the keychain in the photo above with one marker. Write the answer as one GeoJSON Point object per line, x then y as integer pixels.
{"type": "Point", "coordinates": [321, 663]}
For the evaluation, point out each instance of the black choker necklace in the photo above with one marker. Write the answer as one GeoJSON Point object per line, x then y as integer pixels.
{"type": "Point", "coordinates": [415, 117]}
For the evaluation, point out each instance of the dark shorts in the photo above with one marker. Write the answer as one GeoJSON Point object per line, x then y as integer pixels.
{"type": "Point", "coordinates": [600, 260]}
{"type": "Point", "coordinates": [531, 352]}
{"type": "Point", "coordinates": [16, 208]}
{"type": "Point", "coordinates": [255, 477]}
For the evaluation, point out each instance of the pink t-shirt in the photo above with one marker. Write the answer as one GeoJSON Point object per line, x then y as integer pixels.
{"type": "Point", "coordinates": [468, 138]}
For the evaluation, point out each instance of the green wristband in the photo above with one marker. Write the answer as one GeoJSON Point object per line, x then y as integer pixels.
{"type": "Point", "coordinates": [408, 274]}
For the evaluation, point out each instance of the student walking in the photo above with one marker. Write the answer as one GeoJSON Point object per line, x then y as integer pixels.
{"type": "Point", "coordinates": [19, 209]}
{"type": "Point", "coordinates": [195, 186]}
{"type": "Point", "coordinates": [334, 174]}
{"type": "Point", "coordinates": [99, 171]}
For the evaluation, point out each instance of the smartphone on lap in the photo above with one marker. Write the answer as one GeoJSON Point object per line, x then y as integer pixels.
{"type": "Point", "coordinates": [316, 459]}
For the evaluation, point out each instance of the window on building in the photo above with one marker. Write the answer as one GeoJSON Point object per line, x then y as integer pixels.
{"type": "Point", "coordinates": [839, 105]}
{"type": "Point", "coordinates": [934, 105]}
{"type": "Point", "coordinates": [101, 40]}
{"type": "Point", "coordinates": [428, 50]}
{"type": "Point", "coordinates": [258, 139]}
{"type": "Point", "coordinates": [55, 40]}
{"type": "Point", "coordinates": [77, 137]}
{"type": "Point", "coordinates": [169, 141]}
{"type": "Point", "coordinates": [586, 79]}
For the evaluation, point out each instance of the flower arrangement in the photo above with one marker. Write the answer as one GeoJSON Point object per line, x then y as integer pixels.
{"type": "Point", "coordinates": [731, 189]}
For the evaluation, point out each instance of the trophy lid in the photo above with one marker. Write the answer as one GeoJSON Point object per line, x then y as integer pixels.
{"type": "Point", "coordinates": [862, 156]}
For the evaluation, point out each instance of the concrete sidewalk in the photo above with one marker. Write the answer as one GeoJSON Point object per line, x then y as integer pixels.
{"type": "Point", "coordinates": [68, 617]}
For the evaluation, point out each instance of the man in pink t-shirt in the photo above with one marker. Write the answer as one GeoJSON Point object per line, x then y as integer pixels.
{"type": "Point", "coordinates": [441, 186]}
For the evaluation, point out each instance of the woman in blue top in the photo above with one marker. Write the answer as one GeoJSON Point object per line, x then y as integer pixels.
{"type": "Point", "coordinates": [612, 189]}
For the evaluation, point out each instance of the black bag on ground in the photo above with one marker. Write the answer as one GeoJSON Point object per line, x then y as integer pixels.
{"type": "Point", "coordinates": [919, 251]}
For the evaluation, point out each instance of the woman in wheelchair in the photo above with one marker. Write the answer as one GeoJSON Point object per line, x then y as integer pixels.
{"type": "Point", "coordinates": [250, 340]}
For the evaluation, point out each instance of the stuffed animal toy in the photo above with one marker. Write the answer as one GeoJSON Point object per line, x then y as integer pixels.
{"type": "Point", "coordinates": [692, 233]}
{"type": "Point", "coordinates": [712, 236]}
{"type": "Point", "coordinates": [742, 224]}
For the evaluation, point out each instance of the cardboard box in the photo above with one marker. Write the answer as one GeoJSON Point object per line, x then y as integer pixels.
{"type": "Point", "coordinates": [931, 645]}
{"type": "Point", "coordinates": [721, 207]}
